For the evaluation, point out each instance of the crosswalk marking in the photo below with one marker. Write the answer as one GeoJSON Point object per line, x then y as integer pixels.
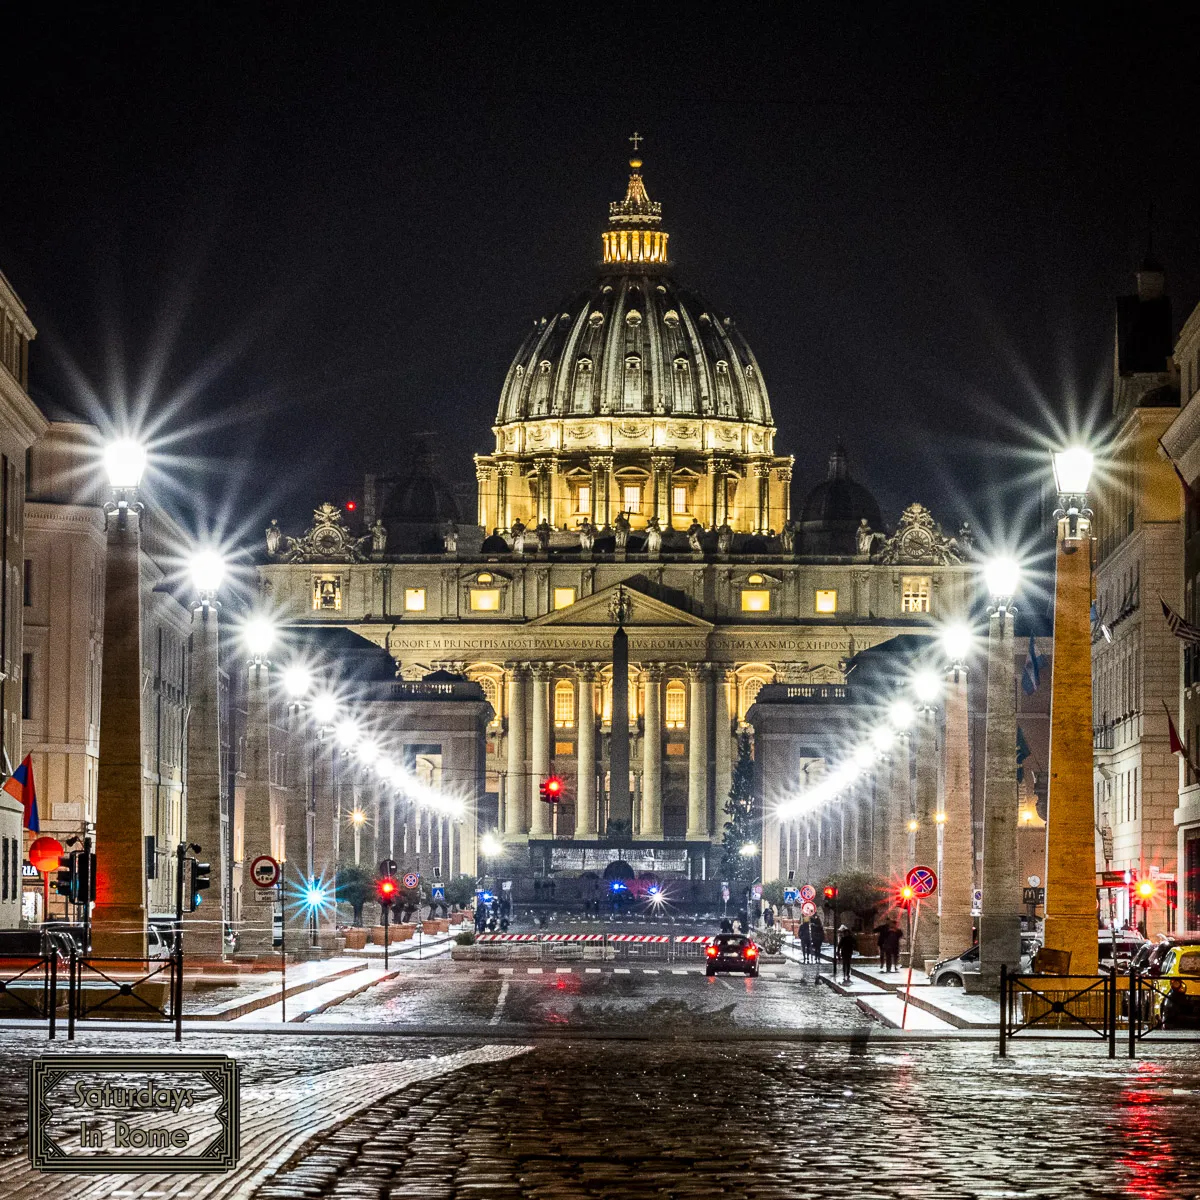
{"type": "Point", "coordinates": [533, 970]}
{"type": "Point", "coordinates": [592, 970]}
{"type": "Point", "coordinates": [620, 970]}
{"type": "Point", "coordinates": [563, 970]}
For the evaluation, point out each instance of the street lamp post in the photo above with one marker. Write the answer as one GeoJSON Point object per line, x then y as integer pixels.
{"type": "Point", "coordinates": [956, 875]}
{"type": "Point", "coordinates": [927, 687]}
{"type": "Point", "coordinates": [119, 924]}
{"type": "Point", "coordinates": [1000, 922]}
{"type": "Point", "coordinates": [261, 823]}
{"type": "Point", "coordinates": [901, 716]}
{"type": "Point", "coordinates": [1070, 827]}
{"type": "Point", "coordinates": [207, 825]}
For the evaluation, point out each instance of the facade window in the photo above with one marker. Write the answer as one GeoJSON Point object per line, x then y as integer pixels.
{"type": "Point", "coordinates": [564, 597]}
{"type": "Point", "coordinates": [327, 593]}
{"type": "Point", "coordinates": [632, 494]}
{"type": "Point", "coordinates": [27, 582]}
{"type": "Point", "coordinates": [485, 599]}
{"type": "Point", "coordinates": [583, 499]}
{"type": "Point", "coordinates": [914, 593]}
{"type": "Point", "coordinates": [750, 690]}
{"type": "Point", "coordinates": [679, 500]}
{"type": "Point", "coordinates": [756, 600]}
{"type": "Point", "coordinates": [676, 714]}
{"type": "Point", "coordinates": [414, 599]}
{"type": "Point", "coordinates": [564, 705]}
{"type": "Point", "coordinates": [826, 600]}
{"type": "Point", "coordinates": [26, 686]}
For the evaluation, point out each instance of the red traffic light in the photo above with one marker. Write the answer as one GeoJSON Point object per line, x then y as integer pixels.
{"type": "Point", "coordinates": [1143, 891]}
{"type": "Point", "coordinates": [386, 888]}
{"type": "Point", "coordinates": [830, 891]}
{"type": "Point", "coordinates": [552, 789]}
{"type": "Point", "coordinates": [907, 894]}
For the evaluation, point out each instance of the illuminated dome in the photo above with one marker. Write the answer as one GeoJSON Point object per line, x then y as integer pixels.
{"type": "Point", "coordinates": [634, 400]}
{"type": "Point", "coordinates": [635, 342]}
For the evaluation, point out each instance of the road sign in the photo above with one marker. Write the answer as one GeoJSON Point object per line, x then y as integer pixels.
{"type": "Point", "coordinates": [791, 895]}
{"type": "Point", "coordinates": [264, 870]}
{"type": "Point", "coordinates": [411, 879]}
{"type": "Point", "coordinates": [388, 867]}
{"type": "Point", "coordinates": [724, 893]}
{"type": "Point", "coordinates": [808, 909]}
{"type": "Point", "coordinates": [438, 891]}
{"type": "Point", "coordinates": [506, 886]}
{"type": "Point", "coordinates": [1033, 895]}
{"type": "Point", "coordinates": [808, 892]}
{"type": "Point", "coordinates": [923, 882]}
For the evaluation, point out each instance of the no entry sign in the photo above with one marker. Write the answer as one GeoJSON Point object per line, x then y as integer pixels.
{"type": "Point", "coordinates": [923, 881]}
{"type": "Point", "coordinates": [808, 909]}
{"type": "Point", "coordinates": [264, 870]}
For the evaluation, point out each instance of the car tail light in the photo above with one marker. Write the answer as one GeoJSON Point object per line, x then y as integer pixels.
{"type": "Point", "coordinates": [751, 951]}
{"type": "Point", "coordinates": [711, 951]}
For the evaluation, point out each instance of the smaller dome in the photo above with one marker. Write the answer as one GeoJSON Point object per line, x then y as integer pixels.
{"type": "Point", "coordinates": [832, 511]}
{"type": "Point", "coordinates": [494, 544]}
{"type": "Point", "coordinates": [420, 497]}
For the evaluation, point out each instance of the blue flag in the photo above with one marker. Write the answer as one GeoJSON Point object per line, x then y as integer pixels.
{"type": "Point", "coordinates": [1031, 676]}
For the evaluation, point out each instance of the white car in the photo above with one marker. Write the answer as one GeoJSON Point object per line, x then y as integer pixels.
{"type": "Point", "coordinates": [950, 971]}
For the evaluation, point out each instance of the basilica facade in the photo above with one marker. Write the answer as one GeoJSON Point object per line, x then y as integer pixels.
{"type": "Point", "coordinates": [634, 480]}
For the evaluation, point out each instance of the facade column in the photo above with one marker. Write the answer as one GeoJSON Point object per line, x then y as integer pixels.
{"type": "Point", "coordinates": [585, 772]}
{"type": "Point", "coordinates": [602, 465]}
{"type": "Point", "coordinates": [652, 740]}
{"type": "Point", "coordinates": [539, 752]}
{"type": "Point", "coordinates": [661, 466]}
{"type": "Point", "coordinates": [255, 935]}
{"type": "Point", "coordinates": [206, 826]}
{"type": "Point", "coordinates": [516, 789]}
{"type": "Point", "coordinates": [926, 940]}
{"type": "Point", "coordinates": [697, 819]}
{"type": "Point", "coordinates": [762, 496]}
{"type": "Point", "coordinates": [503, 504]}
{"type": "Point", "coordinates": [119, 920]}
{"type": "Point", "coordinates": [542, 470]}
{"type": "Point", "coordinates": [1000, 922]}
{"type": "Point", "coordinates": [723, 750]}
{"type": "Point", "coordinates": [956, 878]}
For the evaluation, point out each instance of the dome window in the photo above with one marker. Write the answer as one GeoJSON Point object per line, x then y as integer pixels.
{"type": "Point", "coordinates": [633, 318]}
{"type": "Point", "coordinates": [681, 366]}
{"type": "Point", "coordinates": [633, 363]}
{"type": "Point", "coordinates": [585, 366]}
{"type": "Point", "coordinates": [544, 366]}
{"type": "Point", "coordinates": [671, 318]}
{"type": "Point", "coordinates": [722, 367]}
{"type": "Point", "coordinates": [483, 577]}
{"type": "Point", "coordinates": [596, 318]}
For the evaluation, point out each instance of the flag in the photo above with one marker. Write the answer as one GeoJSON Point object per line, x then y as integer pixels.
{"type": "Point", "coordinates": [20, 785]}
{"type": "Point", "coordinates": [1176, 743]}
{"type": "Point", "coordinates": [1031, 676]}
{"type": "Point", "coordinates": [1184, 631]}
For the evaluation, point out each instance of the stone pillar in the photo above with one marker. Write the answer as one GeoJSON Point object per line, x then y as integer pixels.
{"type": "Point", "coordinates": [325, 817]}
{"type": "Point", "coordinates": [539, 753]}
{"type": "Point", "coordinates": [1070, 825]}
{"type": "Point", "coordinates": [585, 776]}
{"type": "Point", "coordinates": [503, 500]}
{"type": "Point", "coordinates": [898, 806]}
{"type": "Point", "coordinates": [697, 820]}
{"type": "Point", "coordinates": [258, 828]}
{"type": "Point", "coordinates": [1000, 922]}
{"type": "Point", "coordinates": [119, 918]}
{"type": "Point", "coordinates": [652, 741]}
{"type": "Point", "coordinates": [297, 827]}
{"type": "Point", "coordinates": [957, 875]}
{"type": "Point", "coordinates": [601, 465]}
{"type": "Point", "coordinates": [762, 496]}
{"type": "Point", "coordinates": [926, 941]}
{"type": "Point", "coordinates": [723, 749]}
{"type": "Point", "coordinates": [516, 783]}
{"type": "Point", "coordinates": [203, 931]}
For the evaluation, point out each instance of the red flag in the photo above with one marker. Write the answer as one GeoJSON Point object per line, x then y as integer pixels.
{"type": "Point", "coordinates": [20, 785]}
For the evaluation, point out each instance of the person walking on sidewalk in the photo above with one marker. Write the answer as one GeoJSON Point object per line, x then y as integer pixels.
{"type": "Point", "coordinates": [817, 933]}
{"type": "Point", "coordinates": [806, 944]}
{"type": "Point", "coordinates": [845, 951]}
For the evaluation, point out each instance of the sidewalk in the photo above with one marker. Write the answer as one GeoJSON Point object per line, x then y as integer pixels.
{"type": "Point", "coordinates": [319, 999]}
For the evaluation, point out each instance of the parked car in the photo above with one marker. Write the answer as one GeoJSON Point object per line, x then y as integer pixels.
{"type": "Point", "coordinates": [158, 943]}
{"type": "Point", "coordinates": [950, 971]}
{"type": "Point", "coordinates": [731, 952]}
{"type": "Point", "coordinates": [1178, 1004]}
{"type": "Point", "coordinates": [1150, 956]}
{"type": "Point", "coordinates": [1128, 943]}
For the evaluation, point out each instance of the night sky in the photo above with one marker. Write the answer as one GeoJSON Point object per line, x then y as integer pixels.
{"type": "Point", "coordinates": [300, 235]}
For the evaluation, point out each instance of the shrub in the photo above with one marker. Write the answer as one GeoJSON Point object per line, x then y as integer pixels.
{"type": "Point", "coordinates": [466, 938]}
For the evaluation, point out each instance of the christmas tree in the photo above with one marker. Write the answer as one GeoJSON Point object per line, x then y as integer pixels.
{"type": "Point", "coordinates": [741, 828]}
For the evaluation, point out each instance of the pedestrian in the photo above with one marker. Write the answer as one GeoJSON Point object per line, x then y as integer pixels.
{"type": "Point", "coordinates": [480, 916]}
{"type": "Point", "coordinates": [817, 932]}
{"type": "Point", "coordinates": [845, 950]}
{"type": "Point", "coordinates": [806, 944]}
{"type": "Point", "coordinates": [768, 916]}
{"type": "Point", "coordinates": [888, 937]}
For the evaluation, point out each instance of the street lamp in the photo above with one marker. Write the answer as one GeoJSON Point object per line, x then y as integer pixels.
{"type": "Point", "coordinates": [1000, 919]}
{"type": "Point", "coordinates": [258, 635]}
{"type": "Point", "coordinates": [119, 925]}
{"type": "Point", "coordinates": [297, 681]}
{"type": "Point", "coordinates": [1070, 905]}
{"type": "Point", "coordinates": [324, 708]}
{"type": "Point", "coordinates": [347, 733]}
{"type": "Point", "coordinates": [956, 849]}
{"type": "Point", "coordinates": [927, 687]}
{"type": "Point", "coordinates": [957, 641]}
{"type": "Point", "coordinates": [901, 714]}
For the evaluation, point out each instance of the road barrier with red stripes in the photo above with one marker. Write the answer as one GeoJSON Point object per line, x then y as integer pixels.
{"type": "Point", "coordinates": [590, 945]}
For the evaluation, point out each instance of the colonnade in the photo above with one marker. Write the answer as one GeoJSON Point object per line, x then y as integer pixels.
{"type": "Point", "coordinates": [530, 732]}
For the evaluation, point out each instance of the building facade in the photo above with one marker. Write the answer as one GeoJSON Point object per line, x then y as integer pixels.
{"type": "Point", "coordinates": [634, 472]}
{"type": "Point", "coordinates": [1135, 657]}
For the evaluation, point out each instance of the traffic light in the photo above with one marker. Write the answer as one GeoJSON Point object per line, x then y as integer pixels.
{"type": "Point", "coordinates": [907, 894]}
{"type": "Point", "coordinates": [201, 882]}
{"type": "Point", "coordinates": [85, 872]}
{"type": "Point", "coordinates": [387, 888]}
{"type": "Point", "coordinates": [552, 789]}
{"type": "Point", "coordinates": [830, 892]}
{"type": "Point", "coordinates": [67, 883]}
{"type": "Point", "coordinates": [1171, 893]}
{"type": "Point", "coordinates": [1143, 892]}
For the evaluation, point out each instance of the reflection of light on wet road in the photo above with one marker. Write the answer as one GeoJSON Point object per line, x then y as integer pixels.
{"type": "Point", "coordinates": [1146, 1158]}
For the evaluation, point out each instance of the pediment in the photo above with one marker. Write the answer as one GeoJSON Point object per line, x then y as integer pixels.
{"type": "Point", "coordinates": [644, 611]}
